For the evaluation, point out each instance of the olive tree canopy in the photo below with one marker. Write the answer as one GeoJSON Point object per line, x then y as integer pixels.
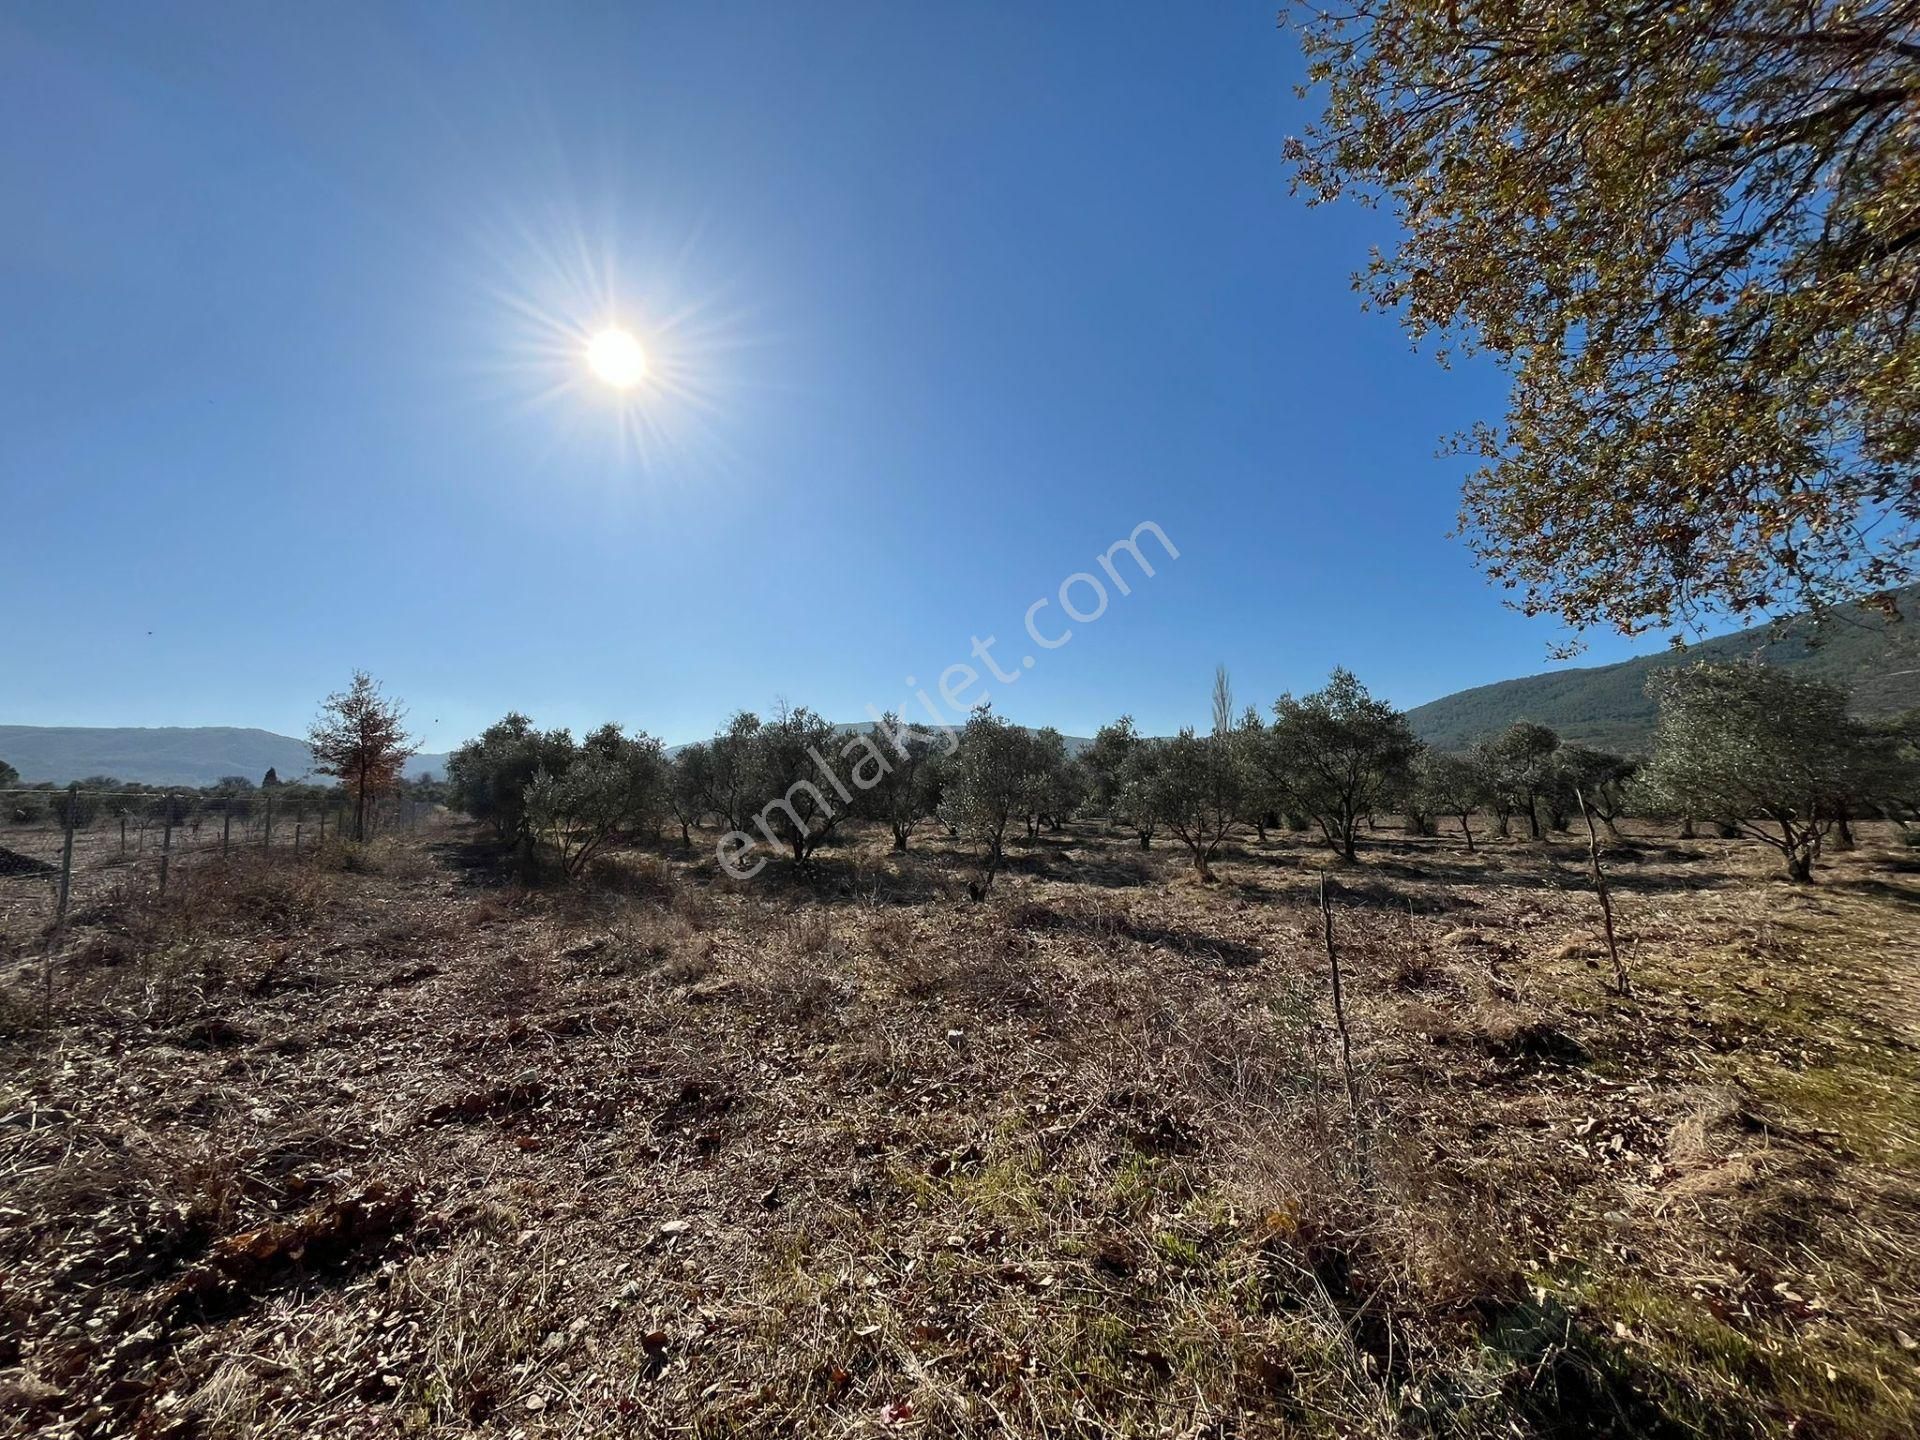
{"type": "Point", "coordinates": [1770, 750]}
{"type": "Point", "coordinates": [988, 782]}
{"type": "Point", "coordinates": [1338, 754]}
{"type": "Point", "coordinates": [1198, 789]}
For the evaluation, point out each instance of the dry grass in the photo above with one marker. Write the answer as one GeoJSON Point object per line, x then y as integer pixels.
{"type": "Point", "coordinates": [369, 1143]}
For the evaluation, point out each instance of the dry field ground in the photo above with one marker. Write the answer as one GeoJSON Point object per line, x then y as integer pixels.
{"type": "Point", "coordinates": [384, 1143]}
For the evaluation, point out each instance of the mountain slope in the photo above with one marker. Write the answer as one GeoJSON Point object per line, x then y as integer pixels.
{"type": "Point", "coordinates": [169, 755]}
{"type": "Point", "coordinates": [1874, 659]}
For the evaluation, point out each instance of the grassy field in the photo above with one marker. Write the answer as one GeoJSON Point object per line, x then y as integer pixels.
{"type": "Point", "coordinates": [385, 1143]}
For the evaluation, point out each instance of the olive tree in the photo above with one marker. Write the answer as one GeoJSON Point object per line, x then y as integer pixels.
{"type": "Point", "coordinates": [908, 785]}
{"type": "Point", "coordinates": [615, 782]}
{"type": "Point", "coordinates": [1254, 748]}
{"type": "Point", "coordinates": [1453, 784]}
{"type": "Point", "coordinates": [1052, 784]}
{"type": "Point", "coordinates": [803, 801]}
{"type": "Point", "coordinates": [488, 776]}
{"type": "Point", "coordinates": [1889, 772]}
{"type": "Point", "coordinates": [988, 781]}
{"type": "Point", "coordinates": [1199, 792]}
{"type": "Point", "coordinates": [1599, 779]}
{"type": "Point", "coordinates": [1105, 759]}
{"type": "Point", "coordinates": [1519, 766]}
{"type": "Point", "coordinates": [1338, 755]}
{"type": "Point", "coordinates": [1767, 748]}
{"type": "Point", "coordinates": [1134, 803]}
{"type": "Point", "coordinates": [731, 771]}
{"type": "Point", "coordinates": [688, 781]}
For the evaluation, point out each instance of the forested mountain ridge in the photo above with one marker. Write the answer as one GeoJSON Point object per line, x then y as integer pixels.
{"type": "Point", "coordinates": [1876, 659]}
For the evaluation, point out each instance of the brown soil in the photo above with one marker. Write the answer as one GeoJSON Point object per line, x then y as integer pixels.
{"type": "Point", "coordinates": [382, 1143]}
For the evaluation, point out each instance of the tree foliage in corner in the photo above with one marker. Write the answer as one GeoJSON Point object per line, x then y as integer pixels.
{"type": "Point", "coordinates": [1691, 234]}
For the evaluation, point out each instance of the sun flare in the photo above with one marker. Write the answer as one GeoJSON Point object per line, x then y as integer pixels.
{"type": "Point", "coordinates": [616, 357]}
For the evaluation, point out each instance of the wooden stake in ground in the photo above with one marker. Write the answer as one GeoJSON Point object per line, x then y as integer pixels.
{"type": "Point", "coordinates": [1620, 980]}
{"type": "Point", "coordinates": [166, 844]}
{"type": "Point", "coordinates": [1339, 1001]}
{"type": "Point", "coordinates": [63, 891]}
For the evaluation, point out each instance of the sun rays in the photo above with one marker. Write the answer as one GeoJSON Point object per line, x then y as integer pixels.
{"type": "Point", "coordinates": [611, 344]}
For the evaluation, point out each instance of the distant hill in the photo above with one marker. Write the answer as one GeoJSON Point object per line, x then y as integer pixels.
{"type": "Point", "coordinates": [169, 755]}
{"type": "Point", "coordinates": [1876, 660]}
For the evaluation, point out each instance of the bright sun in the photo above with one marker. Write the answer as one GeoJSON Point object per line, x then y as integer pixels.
{"type": "Point", "coordinates": [616, 357]}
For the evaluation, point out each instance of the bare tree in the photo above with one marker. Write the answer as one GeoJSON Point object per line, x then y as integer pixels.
{"type": "Point", "coordinates": [360, 739]}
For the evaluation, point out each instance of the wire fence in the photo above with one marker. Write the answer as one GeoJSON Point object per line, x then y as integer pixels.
{"type": "Point", "coordinates": [58, 846]}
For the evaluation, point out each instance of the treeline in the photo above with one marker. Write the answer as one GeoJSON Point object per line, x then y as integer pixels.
{"type": "Point", "coordinates": [107, 797]}
{"type": "Point", "coordinates": [1748, 748]}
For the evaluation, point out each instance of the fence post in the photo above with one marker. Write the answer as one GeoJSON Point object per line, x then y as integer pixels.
{"type": "Point", "coordinates": [1339, 1002]}
{"type": "Point", "coordinates": [123, 833]}
{"type": "Point", "coordinates": [299, 820]}
{"type": "Point", "coordinates": [166, 843]}
{"type": "Point", "coordinates": [323, 824]}
{"type": "Point", "coordinates": [66, 858]}
{"type": "Point", "coordinates": [266, 841]}
{"type": "Point", "coordinates": [226, 826]}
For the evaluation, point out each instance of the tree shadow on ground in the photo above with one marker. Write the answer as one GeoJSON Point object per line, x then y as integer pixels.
{"type": "Point", "coordinates": [1370, 894]}
{"type": "Point", "coordinates": [1890, 891]}
{"type": "Point", "coordinates": [1100, 924]}
{"type": "Point", "coordinates": [477, 861]}
{"type": "Point", "coordinates": [849, 877]}
{"type": "Point", "coordinates": [1564, 865]}
{"type": "Point", "coordinates": [1422, 871]}
{"type": "Point", "coordinates": [1640, 882]}
{"type": "Point", "coordinates": [1572, 1382]}
{"type": "Point", "coordinates": [1110, 872]}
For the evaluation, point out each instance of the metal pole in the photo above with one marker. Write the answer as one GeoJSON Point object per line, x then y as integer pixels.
{"type": "Point", "coordinates": [123, 833]}
{"type": "Point", "coordinates": [266, 842]}
{"type": "Point", "coordinates": [166, 844]}
{"type": "Point", "coordinates": [226, 825]}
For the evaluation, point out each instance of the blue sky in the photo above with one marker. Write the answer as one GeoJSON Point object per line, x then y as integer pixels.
{"type": "Point", "coordinates": [939, 301]}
